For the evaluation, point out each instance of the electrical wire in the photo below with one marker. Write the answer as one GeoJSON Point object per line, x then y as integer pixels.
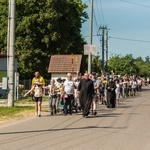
{"type": "Point", "coordinates": [96, 24]}
{"type": "Point", "coordinates": [98, 12]}
{"type": "Point", "coordinates": [135, 3]}
{"type": "Point", "coordinates": [133, 40]}
{"type": "Point", "coordinates": [102, 11]}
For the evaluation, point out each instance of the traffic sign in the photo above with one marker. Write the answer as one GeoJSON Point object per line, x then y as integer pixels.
{"type": "Point", "coordinates": [90, 49]}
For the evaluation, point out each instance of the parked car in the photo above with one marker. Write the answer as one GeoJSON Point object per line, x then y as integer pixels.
{"type": "Point", "coordinates": [3, 93]}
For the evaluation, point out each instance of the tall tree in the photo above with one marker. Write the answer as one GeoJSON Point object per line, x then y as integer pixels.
{"type": "Point", "coordinates": [3, 23]}
{"type": "Point", "coordinates": [44, 28]}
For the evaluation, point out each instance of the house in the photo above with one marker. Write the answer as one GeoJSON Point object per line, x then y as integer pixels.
{"type": "Point", "coordinates": [3, 71]}
{"type": "Point", "coordinates": [60, 65]}
{"type": "Point", "coordinates": [3, 64]}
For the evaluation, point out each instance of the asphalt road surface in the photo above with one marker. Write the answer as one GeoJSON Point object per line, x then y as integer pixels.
{"type": "Point", "coordinates": [124, 128]}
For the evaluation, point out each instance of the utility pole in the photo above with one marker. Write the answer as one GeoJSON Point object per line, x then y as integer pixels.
{"type": "Point", "coordinates": [91, 37]}
{"type": "Point", "coordinates": [104, 47]}
{"type": "Point", "coordinates": [106, 51]}
{"type": "Point", "coordinates": [11, 51]}
{"type": "Point", "coordinates": [8, 35]}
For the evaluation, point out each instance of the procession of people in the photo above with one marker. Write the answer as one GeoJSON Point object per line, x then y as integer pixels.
{"type": "Point", "coordinates": [84, 93]}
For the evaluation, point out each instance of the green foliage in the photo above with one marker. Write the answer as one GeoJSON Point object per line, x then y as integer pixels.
{"type": "Point", "coordinates": [128, 65]}
{"type": "Point", "coordinates": [44, 28]}
{"type": "Point", "coordinates": [96, 64]}
{"type": "Point", "coordinates": [3, 23]}
{"type": "Point", "coordinates": [147, 59]}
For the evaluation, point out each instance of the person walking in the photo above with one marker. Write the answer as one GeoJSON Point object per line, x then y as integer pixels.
{"type": "Point", "coordinates": [68, 92]}
{"type": "Point", "coordinates": [117, 90]}
{"type": "Point", "coordinates": [96, 84]}
{"type": "Point", "coordinates": [38, 78]}
{"type": "Point", "coordinates": [134, 87]}
{"type": "Point", "coordinates": [37, 91]}
{"type": "Point", "coordinates": [53, 97]}
{"type": "Point", "coordinates": [111, 95]}
{"type": "Point", "coordinates": [59, 89]}
{"type": "Point", "coordinates": [85, 91]}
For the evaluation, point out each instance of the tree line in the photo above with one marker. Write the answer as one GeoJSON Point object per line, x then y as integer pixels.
{"type": "Point", "coordinates": [48, 27]}
{"type": "Point", "coordinates": [44, 28]}
{"type": "Point", "coordinates": [122, 65]}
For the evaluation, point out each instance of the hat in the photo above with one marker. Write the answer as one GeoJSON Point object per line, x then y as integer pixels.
{"type": "Point", "coordinates": [59, 78]}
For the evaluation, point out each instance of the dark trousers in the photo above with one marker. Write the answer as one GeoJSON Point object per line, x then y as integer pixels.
{"type": "Point", "coordinates": [87, 105]}
{"type": "Point", "coordinates": [68, 104]}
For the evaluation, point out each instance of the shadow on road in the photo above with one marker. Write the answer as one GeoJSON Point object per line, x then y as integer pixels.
{"type": "Point", "coordinates": [62, 129]}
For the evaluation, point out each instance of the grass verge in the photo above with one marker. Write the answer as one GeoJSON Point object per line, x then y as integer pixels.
{"type": "Point", "coordinates": [21, 109]}
{"type": "Point", "coordinates": [8, 113]}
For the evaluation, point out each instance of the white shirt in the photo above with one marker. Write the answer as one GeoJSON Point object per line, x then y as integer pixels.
{"type": "Point", "coordinates": [69, 86]}
{"type": "Point", "coordinates": [117, 90]}
{"type": "Point", "coordinates": [38, 91]}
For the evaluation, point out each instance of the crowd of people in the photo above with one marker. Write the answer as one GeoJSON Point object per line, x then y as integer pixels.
{"type": "Point", "coordinates": [85, 92]}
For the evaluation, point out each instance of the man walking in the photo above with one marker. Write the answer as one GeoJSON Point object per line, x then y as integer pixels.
{"type": "Point", "coordinates": [68, 92]}
{"type": "Point", "coordinates": [86, 91]}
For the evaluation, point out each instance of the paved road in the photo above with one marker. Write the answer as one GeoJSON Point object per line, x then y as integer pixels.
{"type": "Point", "coordinates": [124, 128]}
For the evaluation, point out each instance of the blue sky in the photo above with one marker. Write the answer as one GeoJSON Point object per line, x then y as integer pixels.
{"type": "Point", "coordinates": [129, 24]}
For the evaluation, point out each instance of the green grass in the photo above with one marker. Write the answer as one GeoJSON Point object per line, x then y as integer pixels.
{"type": "Point", "coordinates": [12, 111]}
{"type": "Point", "coordinates": [18, 111]}
{"type": "Point", "coordinates": [7, 113]}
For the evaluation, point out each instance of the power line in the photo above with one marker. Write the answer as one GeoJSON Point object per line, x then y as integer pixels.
{"type": "Point", "coordinates": [135, 3]}
{"type": "Point", "coordinates": [102, 11]}
{"type": "Point", "coordinates": [98, 12]}
{"type": "Point", "coordinates": [134, 40]}
{"type": "Point", "coordinates": [96, 24]}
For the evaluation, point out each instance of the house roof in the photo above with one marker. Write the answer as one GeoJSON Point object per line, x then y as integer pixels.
{"type": "Point", "coordinates": [5, 56]}
{"type": "Point", "coordinates": [65, 63]}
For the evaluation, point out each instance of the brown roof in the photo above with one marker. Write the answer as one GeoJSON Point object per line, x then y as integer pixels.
{"type": "Point", "coordinates": [64, 63]}
{"type": "Point", "coordinates": [5, 56]}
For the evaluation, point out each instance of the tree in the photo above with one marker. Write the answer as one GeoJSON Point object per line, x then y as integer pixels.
{"type": "Point", "coordinates": [147, 59]}
{"type": "Point", "coordinates": [3, 23]}
{"type": "Point", "coordinates": [96, 64]}
{"type": "Point", "coordinates": [45, 28]}
{"type": "Point", "coordinates": [123, 65]}
{"type": "Point", "coordinates": [144, 68]}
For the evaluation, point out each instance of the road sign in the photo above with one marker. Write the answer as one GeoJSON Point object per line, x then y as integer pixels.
{"type": "Point", "coordinates": [90, 49]}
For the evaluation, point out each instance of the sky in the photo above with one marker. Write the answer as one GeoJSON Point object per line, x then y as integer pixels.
{"type": "Point", "coordinates": [128, 22]}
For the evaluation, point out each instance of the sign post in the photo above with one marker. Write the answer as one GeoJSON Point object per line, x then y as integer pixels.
{"type": "Point", "coordinates": [90, 50]}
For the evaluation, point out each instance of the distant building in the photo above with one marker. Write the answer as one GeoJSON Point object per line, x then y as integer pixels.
{"type": "Point", "coordinates": [60, 65]}
{"type": "Point", "coordinates": [3, 64]}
